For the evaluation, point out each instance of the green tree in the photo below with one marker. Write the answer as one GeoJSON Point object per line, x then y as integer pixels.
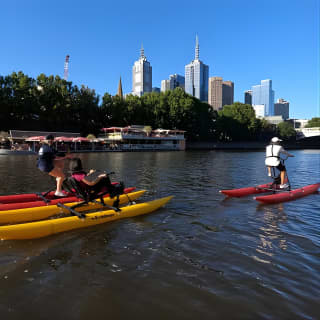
{"type": "Point", "coordinates": [314, 122]}
{"type": "Point", "coordinates": [238, 122]}
{"type": "Point", "coordinates": [286, 130]}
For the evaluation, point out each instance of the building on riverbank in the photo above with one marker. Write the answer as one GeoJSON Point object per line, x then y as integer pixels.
{"type": "Point", "coordinates": [136, 138]}
{"type": "Point", "coordinates": [131, 138]}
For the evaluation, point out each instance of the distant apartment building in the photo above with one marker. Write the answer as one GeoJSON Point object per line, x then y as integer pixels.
{"type": "Point", "coordinates": [227, 93]}
{"type": "Point", "coordinates": [281, 108]}
{"type": "Point", "coordinates": [215, 92]}
{"type": "Point", "coordinates": [141, 75]}
{"type": "Point", "coordinates": [248, 97]}
{"type": "Point", "coordinates": [220, 93]}
{"type": "Point", "coordinates": [264, 95]}
{"type": "Point", "coordinates": [196, 77]}
{"type": "Point", "coordinates": [175, 81]}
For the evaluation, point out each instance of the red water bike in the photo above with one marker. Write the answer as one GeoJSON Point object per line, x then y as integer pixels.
{"type": "Point", "coordinates": [276, 194]}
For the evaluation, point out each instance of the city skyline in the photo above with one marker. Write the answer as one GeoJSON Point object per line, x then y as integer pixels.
{"type": "Point", "coordinates": [238, 43]}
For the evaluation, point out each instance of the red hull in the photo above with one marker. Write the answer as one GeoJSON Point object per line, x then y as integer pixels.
{"type": "Point", "coordinates": [21, 201]}
{"type": "Point", "coordinates": [242, 192]}
{"type": "Point", "coordinates": [289, 195]}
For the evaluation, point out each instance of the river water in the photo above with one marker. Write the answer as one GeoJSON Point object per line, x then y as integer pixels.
{"type": "Point", "coordinates": [199, 257]}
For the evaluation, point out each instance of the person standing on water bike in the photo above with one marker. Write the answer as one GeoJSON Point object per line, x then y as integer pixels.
{"type": "Point", "coordinates": [51, 162]}
{"type": "Point", "coordinates": [273, 159]}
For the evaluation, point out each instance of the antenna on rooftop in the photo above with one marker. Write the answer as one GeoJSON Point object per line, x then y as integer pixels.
{"type": "Point", "coordinates": [66, 68]}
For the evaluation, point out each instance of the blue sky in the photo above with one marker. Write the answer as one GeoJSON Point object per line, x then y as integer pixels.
{"type": "Point", "coordinates": [244, 41]}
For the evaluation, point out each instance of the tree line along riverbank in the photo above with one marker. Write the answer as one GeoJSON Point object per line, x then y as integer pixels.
{"type": "Point", "coordinates": [309, 143]}
{"type": "Point", "coordinates": [53, 104]}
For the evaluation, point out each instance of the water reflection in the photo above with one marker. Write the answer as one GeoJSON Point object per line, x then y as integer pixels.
{"type": "Point", "coordinates": [271, 237]}
{"type": "Point", "coordinates": [180, 248]}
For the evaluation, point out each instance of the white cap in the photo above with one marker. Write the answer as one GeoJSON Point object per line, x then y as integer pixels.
{"type": "Point", "coordinates": [275, 139]}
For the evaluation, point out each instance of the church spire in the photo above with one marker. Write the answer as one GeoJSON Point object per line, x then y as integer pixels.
{"type": "Point", "coordinates": [119, 92]}
{"type": "Point", "coordinates": [197, 49]}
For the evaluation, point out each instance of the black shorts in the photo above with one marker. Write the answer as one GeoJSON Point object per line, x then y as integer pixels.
{"type": "Point", "coordinates": [281, 167]}
{"type": "Point", "coordinates": [45, 166]}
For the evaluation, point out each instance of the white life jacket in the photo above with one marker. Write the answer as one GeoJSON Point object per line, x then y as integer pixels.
{"type": "Point", "coordinates": [273, 155]}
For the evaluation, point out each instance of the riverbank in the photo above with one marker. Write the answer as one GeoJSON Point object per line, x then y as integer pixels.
{"type": "Point", "coordinates": [252, 145]}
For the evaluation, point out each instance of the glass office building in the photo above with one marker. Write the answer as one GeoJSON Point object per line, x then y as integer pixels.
{"type": "Point", "coordinates": [264, 95]}
{"type": "Point", "coordinates": [248, 97]}
{"type": "Point", "coordinates": [175, 81]}
{"type": "Point", "coordinates": [196, 77]}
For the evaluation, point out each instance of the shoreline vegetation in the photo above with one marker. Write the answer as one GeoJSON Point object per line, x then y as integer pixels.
{"type": "Point", "coordinates": [313, 143]}
{"type": "Point", "coordinates": [52, 104]}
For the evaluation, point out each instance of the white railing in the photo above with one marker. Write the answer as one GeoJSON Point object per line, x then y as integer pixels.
{"type": "Point", "coordinates": [122, 136]}
{"type": "Point", "coordinates": [149, 147]}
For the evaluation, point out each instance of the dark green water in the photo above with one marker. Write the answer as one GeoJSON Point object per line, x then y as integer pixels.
{"type": "Point", "coordinates": [199, 257]}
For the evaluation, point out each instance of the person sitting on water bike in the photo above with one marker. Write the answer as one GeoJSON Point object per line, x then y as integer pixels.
{"type": "Point", "coordinates": [98, 184]}
{"type": "Point", "coordinates": [273, 159]}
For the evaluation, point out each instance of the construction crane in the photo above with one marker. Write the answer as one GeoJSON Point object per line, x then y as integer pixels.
{"type": "Point", "coordinates": [66, 68]}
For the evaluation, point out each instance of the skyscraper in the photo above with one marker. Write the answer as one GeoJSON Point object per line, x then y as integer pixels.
{"type": "Point", "coordinates": [196, 77]}
{"type": "Point", "coordinates": [141, 75]}
{"type": "Point", "coordinates": [281, 108]}
{"type": "Point", "coordinates": [264, 95]}
{"type": "Point", "coordinates": [248, 97]}
{"type": "Point", "coordinates": [227, 93]}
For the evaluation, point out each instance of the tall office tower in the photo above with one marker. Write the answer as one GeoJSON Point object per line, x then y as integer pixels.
{"type": "Point", "coordinates": [141, 75]}
{"type": "Point", "coordinates": [263, 94]}
{"type": "Point", "coordinates": [196, 77]}
{"type": "Point", "coordinates": [227, 92]}
{"type": "Point", "coordinates": [281, 108]}
{"type": "Point", "coordinates": [248, 97]}
{"type": "Point", "coordinates": [165, 85]}
{"type": "Point", "coordinates": [215, 93]}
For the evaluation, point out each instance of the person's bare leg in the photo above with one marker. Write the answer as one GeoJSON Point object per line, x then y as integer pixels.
{"type": "Point", "coordinates": [59, 183]}
{"type": "Point", "coordinates": [282, 176]}
{"type": "Point", "coordinates": [269, 171]}
{"type": "Point", "coordinates": [59, 175]}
